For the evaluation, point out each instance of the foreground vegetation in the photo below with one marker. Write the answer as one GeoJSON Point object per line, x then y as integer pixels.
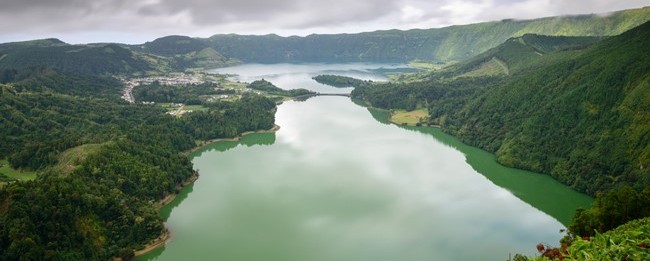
{"type": "Point", "coordinates": [630, 241]}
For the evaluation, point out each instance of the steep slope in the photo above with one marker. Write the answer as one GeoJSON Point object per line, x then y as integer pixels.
{"type": "Point", "coordinates": [174, 45]}
{"type": "Point", "coordinates": [583, 120]}
{"type": "Point", "coordinates": [444, 44]}
{"type": "Point", "coordinates": [517, 54]}
{"type": "Point", "coordinates": [582, 117]}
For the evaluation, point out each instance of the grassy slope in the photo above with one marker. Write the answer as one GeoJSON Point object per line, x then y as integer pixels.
{"type": "Point", "coordinates": [518, 54]}
{"type": "Point", "coordinates": [12, 173]}
{"type": "Point", "coordinates": [410, 118]}
{"type": "Point", "coordinates": [71, 158]}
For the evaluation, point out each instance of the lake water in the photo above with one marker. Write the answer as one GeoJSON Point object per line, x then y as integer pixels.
{"type": "Point", "coordinates": [294, 76]}
{"type": "Point", "coordinates": [337, 182]}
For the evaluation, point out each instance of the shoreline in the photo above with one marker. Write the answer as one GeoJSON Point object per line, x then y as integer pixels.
{"type": "Point", "coordinates": [166, 235]}
{"type": "Point", "coordinates": [155, 244]}
{"type": "Point", "coordinates": [202, 144]}
{"type": "Point", "coordinates": [169, 198]}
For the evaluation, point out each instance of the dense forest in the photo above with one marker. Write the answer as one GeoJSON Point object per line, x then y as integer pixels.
{"type": "Point", "coordinates": [82, 59]}
{"type": "Point", "coordinates": [579, 114]}
{"type": "Point", "coordinates": [266, 86]}
{"type": "Point", "coordinates": [340, 81]}
{"type": "Point", "coordinates": [102, 165]}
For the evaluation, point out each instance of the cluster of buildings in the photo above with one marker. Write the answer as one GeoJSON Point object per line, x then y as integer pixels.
{"type": "Point", "coordinates": [165, 80]}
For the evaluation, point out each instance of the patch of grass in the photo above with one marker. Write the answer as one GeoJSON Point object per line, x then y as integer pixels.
{"type": "Point", "coordinates": [489, 68]}
{"type": "Point", "coordinates": [402, 117]}
{"type": "Point", "coordinates": [428, 65]}
{"type": "Point", "coordinates": [234, 85]}
{"type": "Point", "coordinates": [71, 158]}
{"type": "Point", "coordinates": [169, 107]}
{"type": "Point", "coordinates": [9, 173]}
{"type": "Point", "coordinates": [195, 108]}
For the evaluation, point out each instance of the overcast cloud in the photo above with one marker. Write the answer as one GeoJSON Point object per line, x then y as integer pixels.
{"type": "Point", "coordinates": [137, 21]}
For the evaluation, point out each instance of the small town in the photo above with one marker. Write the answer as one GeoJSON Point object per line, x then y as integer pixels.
{"type": "Point", "coordinates": [165, 80]}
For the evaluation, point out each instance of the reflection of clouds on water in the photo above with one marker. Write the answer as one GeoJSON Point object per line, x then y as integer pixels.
{"type": "Point", "coordinates": [337, 185]}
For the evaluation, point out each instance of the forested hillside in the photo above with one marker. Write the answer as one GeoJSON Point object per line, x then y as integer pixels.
{"type": "Point", "coordinates": [186, 52]}
{"type": "Point", "coordinates": [581, 115]}
{"type": "Point", "coordinates": [102, 165]}
{"type": "Point", "coordinates": [85, 59]}
{"type": "Point", "coordinates": [443, 44]}
{"type": "Point", "coordinates": [518, 53]}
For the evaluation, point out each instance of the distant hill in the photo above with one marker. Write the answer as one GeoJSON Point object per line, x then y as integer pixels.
{"type": "Point", "coordinates": [86, 59]}
{"type": "Point", "coordinates": [454, 43]}
{"type": "Point", "coordinates": [443, 44]}
{"type": "Point", "coordinates": [33, 43]}
{"type": "Point", "coordinates": [582, 115]}
{"type": "Point", "coordinates": [186, 52]}
{"type": "Point", "coordinates": [174, 45]}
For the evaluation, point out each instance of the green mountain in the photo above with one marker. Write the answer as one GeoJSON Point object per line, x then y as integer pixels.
{"type": "Point", "coordinates": [443, 44]}
{"type": "Point", "coordinates": [84, 59]}
{"type": "Point", "coordinates": [517, 54]}
{"type": "Point", "coordinates": [33, 43]}
{"type": "Point", "coordinates": [186, 52]}
{"type": "Point", "coordinates": [581, 116]}
{"type": "Point", "coordinates": [182, 52]}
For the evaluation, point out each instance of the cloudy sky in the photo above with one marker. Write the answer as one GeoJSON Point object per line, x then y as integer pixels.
{"type": "Point", "coordinates": [137, 21]}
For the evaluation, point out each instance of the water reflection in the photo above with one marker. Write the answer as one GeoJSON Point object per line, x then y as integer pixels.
{"type": "Point", "coordinates": [257, 139]}
{"type": "Point", "coordinates": [533, 188]}
{"type": "Point", "coordinates": [335, 184]}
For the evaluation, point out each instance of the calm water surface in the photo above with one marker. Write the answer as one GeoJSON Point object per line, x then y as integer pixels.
{"type": "Point", "coordinates": [336, 183]}
{"type": "Point", "coordinates": [294, 76]}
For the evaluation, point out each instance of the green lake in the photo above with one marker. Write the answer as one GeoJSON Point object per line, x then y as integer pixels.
{"type": "Point", "coordinates": [338, 183]}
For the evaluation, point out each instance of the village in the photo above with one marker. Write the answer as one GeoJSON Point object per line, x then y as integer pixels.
{"type": "Point", "coordinates": [175, 79]}
{"type": "Point", "coordinates": [234, 89]}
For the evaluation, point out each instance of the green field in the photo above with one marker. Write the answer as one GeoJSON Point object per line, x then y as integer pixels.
{"type": "Point", "coordinates": [410, 118]}
{"type": "Point", "coordinates": [490, 68]}
{"type": "Point", "coordinates": [195, 108]}
{"type": "Point", "coordinates": [428, 65]}
{"type": "Point", "coordinates": [71, 158]}
{"type": "Point", "coordinates": [169, 107]}
{"type": "Point", "coordinates": [10, 173]}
